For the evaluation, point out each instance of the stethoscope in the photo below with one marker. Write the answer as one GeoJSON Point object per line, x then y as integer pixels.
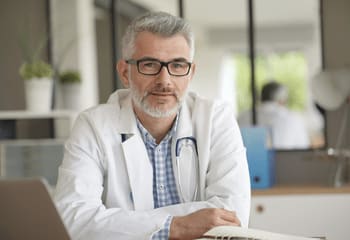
{"type": "Point", "coordinates": [186, 160]}
{"type": "Point", "coordinates": [186, 154]}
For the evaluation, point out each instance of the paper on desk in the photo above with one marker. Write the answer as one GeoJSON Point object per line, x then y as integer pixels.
{"type": "Point", "coordinates": [231, 232]}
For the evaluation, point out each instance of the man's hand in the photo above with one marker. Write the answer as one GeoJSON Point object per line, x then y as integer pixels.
{"type": "Point", "coordinates": [196, 224]}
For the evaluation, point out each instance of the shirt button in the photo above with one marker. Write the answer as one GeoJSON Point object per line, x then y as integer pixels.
{"type": "Point", "coordinates": [161, 187]}
{"type": "Point", "coordinates": [158, 150]}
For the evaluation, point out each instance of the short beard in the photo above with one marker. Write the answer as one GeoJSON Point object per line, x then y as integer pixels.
{"type": "Point", "coordinates": [140, 102]}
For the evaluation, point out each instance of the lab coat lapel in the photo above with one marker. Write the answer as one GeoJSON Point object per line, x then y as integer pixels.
{"type": "Point", "coordinates": [140, 172]}
{"type": "Point", "coordinates": [137, 162]}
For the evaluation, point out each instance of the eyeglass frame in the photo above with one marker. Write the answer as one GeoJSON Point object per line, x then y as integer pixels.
{"type": "Point", "coordinates": [162, 64]}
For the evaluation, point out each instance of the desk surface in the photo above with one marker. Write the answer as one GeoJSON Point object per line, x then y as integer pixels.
{"type": "Point", "coordinates": [290, 189]}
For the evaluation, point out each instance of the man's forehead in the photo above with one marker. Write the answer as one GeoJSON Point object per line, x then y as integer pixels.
{"type": "Point", "coordinates": [144, 34]}
{"type": "Point", "coordinates": [150, 43]}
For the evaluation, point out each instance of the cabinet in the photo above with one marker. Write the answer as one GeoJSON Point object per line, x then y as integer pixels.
{"type": "Point", "coordinates": [306, 211]}
{"type": "Point", "coordinates": [33, 157]}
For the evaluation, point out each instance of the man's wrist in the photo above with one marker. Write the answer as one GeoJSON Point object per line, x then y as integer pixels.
{"type": "Point", "coordinates": [175, 229]}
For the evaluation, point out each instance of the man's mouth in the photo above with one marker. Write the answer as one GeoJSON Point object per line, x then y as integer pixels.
{"type": "Point", "coordinates": [162, 94]}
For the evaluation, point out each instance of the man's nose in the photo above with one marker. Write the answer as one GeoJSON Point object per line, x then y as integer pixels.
{"type": "Point", "coordinates": [164, 75]}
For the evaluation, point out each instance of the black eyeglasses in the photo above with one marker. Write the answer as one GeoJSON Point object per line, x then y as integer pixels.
{"type": "Point", "coordinates": [153, 66]}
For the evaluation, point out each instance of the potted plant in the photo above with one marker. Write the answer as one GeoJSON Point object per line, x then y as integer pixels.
{"type": "Point", "coordinates": [38, 82]}
{"type": "Point", "coordinates": [70, 81]}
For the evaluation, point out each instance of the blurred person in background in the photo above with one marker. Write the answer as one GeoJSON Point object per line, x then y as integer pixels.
{"type": "Point", "coordinates": [287, 128]}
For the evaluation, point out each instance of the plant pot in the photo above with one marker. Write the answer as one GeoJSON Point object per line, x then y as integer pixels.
{"type": "Point", "coordinates": [38, 92]}
{"type": "Point", "coordinates": [71, 96]}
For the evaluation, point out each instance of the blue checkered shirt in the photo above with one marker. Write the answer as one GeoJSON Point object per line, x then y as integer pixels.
{"type": "Point", "coordinates": [164, 185]}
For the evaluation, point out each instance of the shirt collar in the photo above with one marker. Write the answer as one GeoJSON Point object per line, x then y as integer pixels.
{"type": "Point", "coordinates": [149, 139]}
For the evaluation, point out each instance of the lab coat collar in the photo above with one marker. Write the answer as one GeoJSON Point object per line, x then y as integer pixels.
{"type": "Point", "coordinates": [126, 122]}
{"type": "Point", "coordinates": [184, 127]}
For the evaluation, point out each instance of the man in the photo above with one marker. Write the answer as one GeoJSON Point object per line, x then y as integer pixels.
{"type": "Point", "coordinates": [288, 129]}
{"type": "Point", "coordinates": [155, 162]}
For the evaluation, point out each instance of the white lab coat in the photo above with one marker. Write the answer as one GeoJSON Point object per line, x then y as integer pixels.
{"type": "Point", "coordinates": [104, 188]}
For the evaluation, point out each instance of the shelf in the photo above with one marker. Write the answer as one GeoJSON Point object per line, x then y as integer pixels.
{"type": "Point", "coordinates": [307, 189]}
{"type": "Point", "coordinates": [22, 114]}
{"type": "Point", "coordinates": [62, 122]}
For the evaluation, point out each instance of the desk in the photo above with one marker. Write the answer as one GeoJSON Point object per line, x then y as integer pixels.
{"type": "Point", "coordinates": [302, 210]}
{"type": "Point", "coordinates": [295, 189]}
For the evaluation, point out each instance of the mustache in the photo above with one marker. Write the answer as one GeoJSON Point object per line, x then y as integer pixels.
{"type": "Point", "coordinates": [162, 89]}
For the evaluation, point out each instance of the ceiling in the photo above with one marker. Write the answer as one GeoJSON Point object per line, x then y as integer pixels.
{"type": "Point", "coordinates": [234, 12]}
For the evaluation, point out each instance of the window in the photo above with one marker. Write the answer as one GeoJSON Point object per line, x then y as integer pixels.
{"type": "Point", "coordinates": [287, 50]}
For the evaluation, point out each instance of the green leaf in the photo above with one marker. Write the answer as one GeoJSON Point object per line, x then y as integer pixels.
{"type": "Point", "coordinates": [70, 76]}
{"type": "Point", "coordinates": [36, 69]}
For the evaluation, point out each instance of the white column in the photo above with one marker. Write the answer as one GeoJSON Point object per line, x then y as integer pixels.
{"type": "Point", "coordinates": [74, 46]}
{"type": "Point", "coordinates": [87, 52]}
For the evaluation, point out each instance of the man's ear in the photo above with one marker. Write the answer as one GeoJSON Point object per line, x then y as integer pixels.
{"type": "Point", "coordinates": [122, 68]}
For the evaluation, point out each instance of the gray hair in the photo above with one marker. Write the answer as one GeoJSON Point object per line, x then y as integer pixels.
{"type": "Point", "coordinates": [160, 23]}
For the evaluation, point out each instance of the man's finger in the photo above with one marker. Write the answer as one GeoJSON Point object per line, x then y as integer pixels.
{"type": "Point", "coordinates": [230, 216]}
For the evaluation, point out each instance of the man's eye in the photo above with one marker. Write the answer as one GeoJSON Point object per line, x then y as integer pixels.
{"type": "Point", "coordinates": [150, 64]}
{"type": "Point", "coordinates": [178, 64]}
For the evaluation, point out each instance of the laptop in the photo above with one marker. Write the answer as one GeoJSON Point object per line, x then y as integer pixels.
{"type": "Point", "coordinates": [28, 212]}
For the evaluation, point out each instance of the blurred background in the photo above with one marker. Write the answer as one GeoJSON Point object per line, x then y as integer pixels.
{"type": "Point", "coordinates": [241, 45]}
